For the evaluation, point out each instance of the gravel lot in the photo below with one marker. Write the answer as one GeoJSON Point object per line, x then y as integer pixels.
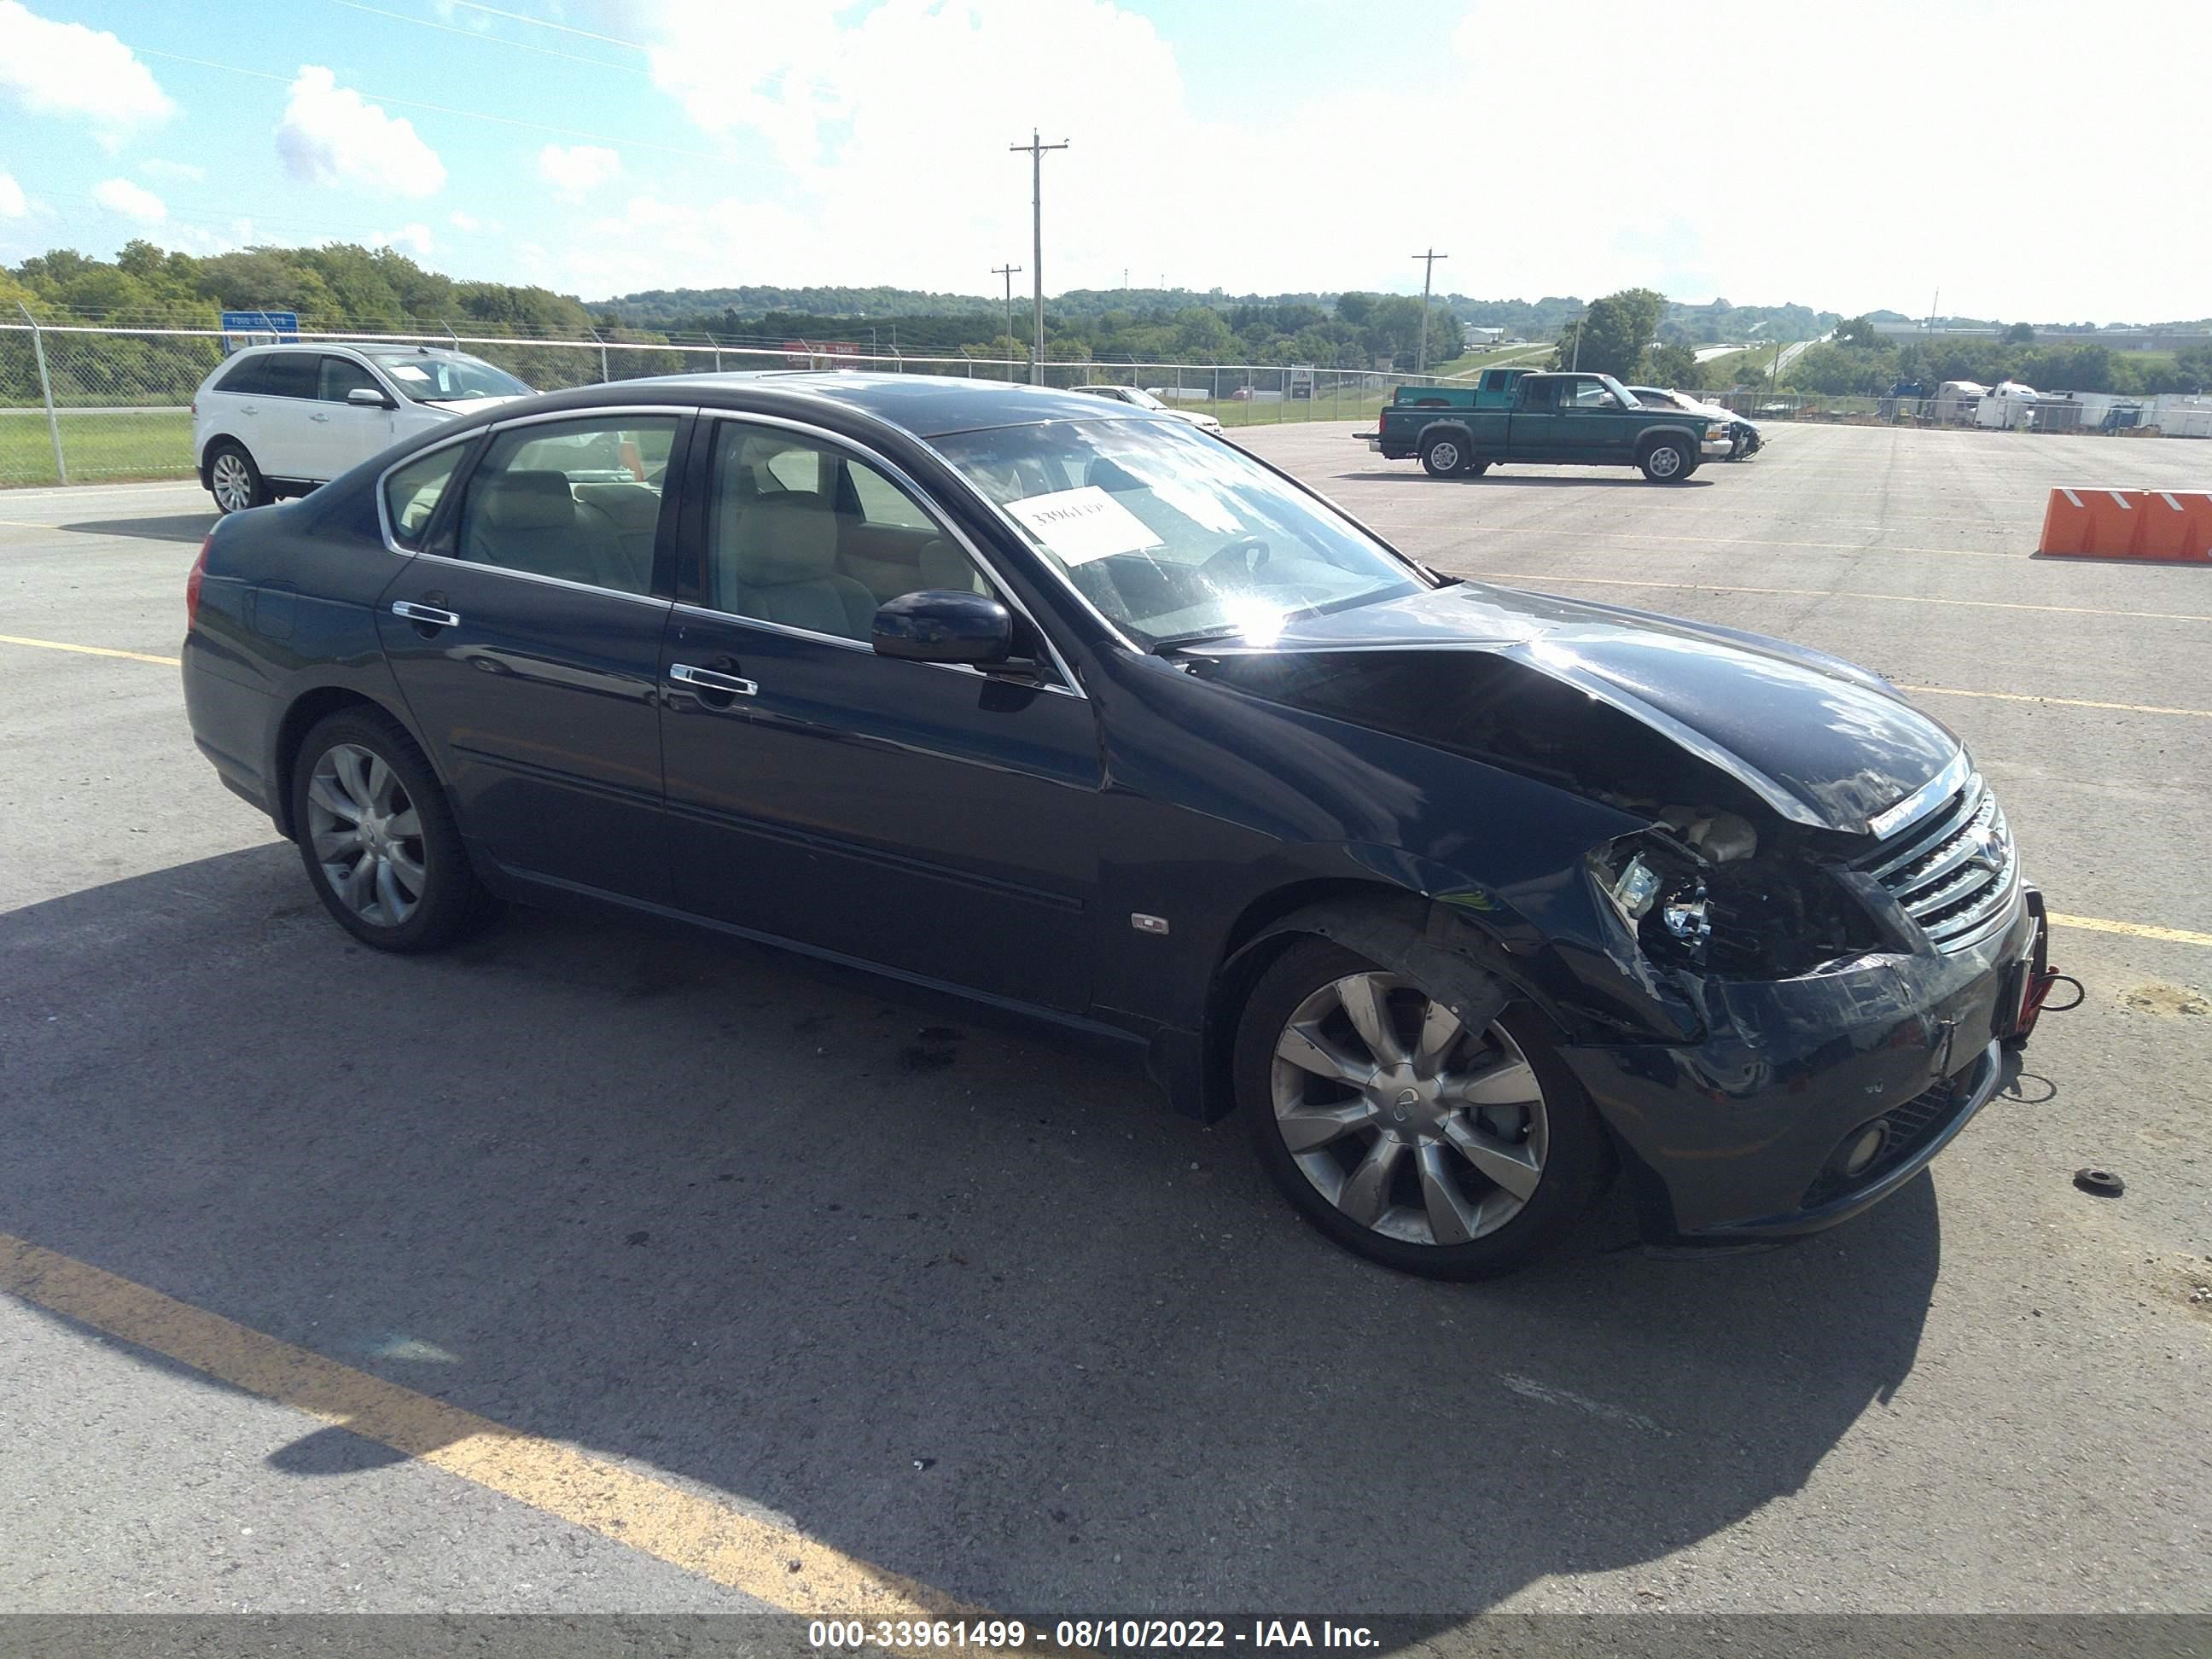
{"type": "Point", "coordinates": [972, 1306]}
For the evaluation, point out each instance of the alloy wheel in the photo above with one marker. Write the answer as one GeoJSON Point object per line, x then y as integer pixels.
{"type": "Point", "coordinates": [366, 834]}
{"type": "Point", "coordinates": [1410, 1124]}
{"type": "Point", "coordinates": [231, 482]}
{"type": "Point", "coordinates": [1666, 461]}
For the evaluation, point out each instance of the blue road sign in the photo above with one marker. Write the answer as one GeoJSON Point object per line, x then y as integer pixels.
{"type": "Point", "coordinates": [259, 328]}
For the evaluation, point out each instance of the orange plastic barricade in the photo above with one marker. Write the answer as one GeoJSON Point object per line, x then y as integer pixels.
{"type": "Point", "coordinates": [2168, 527]}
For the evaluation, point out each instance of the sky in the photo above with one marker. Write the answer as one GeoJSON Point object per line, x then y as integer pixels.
{"type": "Point", "coordinates": [2028, 164]}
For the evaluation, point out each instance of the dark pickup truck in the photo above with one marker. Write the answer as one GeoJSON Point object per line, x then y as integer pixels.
{"type": "Point", "coordinates": [1571, 419]}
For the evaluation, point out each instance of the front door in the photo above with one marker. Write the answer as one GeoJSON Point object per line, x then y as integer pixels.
{"type": "Point", "coordinates": [1592, 425]}
{"type": "Point", "coordinates": [527, 636]}
{"type": "Point", "coordinates": [928, 819]}
{"type": "Point", "coordinates": [341, 435]}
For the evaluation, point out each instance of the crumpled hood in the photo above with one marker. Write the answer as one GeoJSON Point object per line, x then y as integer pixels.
{"type": "Point", "coordinates": [1821, 742]}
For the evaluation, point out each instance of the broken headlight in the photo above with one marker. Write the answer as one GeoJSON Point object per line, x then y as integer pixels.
{"type": "Point", "coordinates": [1698, 893]}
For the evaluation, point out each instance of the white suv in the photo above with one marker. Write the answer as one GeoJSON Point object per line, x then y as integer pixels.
{"type": "Point", "coordinates": [1144, 399]}
{"type": "Point", "coordinates": [277, 421]}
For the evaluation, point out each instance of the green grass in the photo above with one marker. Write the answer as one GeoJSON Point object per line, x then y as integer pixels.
{"type": "Point", "coordinates": [97, 446]}
{"type": "Point", "coordinates": [1535, 353]}
{"type": "Point", "coordinates": [1344, 405]}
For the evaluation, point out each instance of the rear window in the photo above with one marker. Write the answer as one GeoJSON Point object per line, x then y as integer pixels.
{"type": "Point", "coordinates": [244, 376]}
{"type": "Point", "coordinates": [289, 375]}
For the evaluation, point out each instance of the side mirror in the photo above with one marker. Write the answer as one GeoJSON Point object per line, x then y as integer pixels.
{"type": "Point", "coordinates": [368, 397]}
{"type": "Point", "coordinates": [944, 625]}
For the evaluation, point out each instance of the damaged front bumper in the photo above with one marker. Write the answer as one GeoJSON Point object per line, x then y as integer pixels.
{"type": "Point", "coordinates": [1757, 1132]}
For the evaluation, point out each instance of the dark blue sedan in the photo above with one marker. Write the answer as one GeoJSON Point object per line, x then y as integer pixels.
{"type": "Point", "coordinates": [1464, 898]}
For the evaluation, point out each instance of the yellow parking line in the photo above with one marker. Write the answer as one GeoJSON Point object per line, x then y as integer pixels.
{"type": "Point", "coordinates": [1540, 578]}
{"type": "Point", "coordinates": [2061, 702]}
{"type": "Point", "coordinates": [1743, 541]}
{"type": "Point", "coordinates": [87, 650]}
{"type": "Point", "coordinates": [2132, 929]}
{"type": "Point", "coordinates": [772, 1564]}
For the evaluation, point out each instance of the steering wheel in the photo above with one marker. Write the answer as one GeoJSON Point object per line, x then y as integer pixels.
{"type": "Point", "coordinates": [1249, 554]}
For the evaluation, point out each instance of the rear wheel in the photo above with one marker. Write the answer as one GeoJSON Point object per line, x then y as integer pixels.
{"type": "Point", "coordinates": [1403, 1133]}
{"type": "Point", "coordinates": [1668, 461]}
{"type": "Point", "coordinates": [1442, 455]}
{"type": "Point", "coordinates": [233, 480]}
{"type": "Point", "coordinates": [379, 840]}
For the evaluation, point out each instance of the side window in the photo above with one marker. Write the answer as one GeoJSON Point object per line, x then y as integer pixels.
{"type": "Point", "coordinates": [247, 377]}
{"type": "Point", "coordinates": [579, 500]}
{"type": "Point", "coordinates": [1586, 394]}
{"type": "Point", "coordinates": [792, 554]}
{"type": "Point", "coordinates": [340, 375]}
{"type": "Point", "coordinates": [289, 375]}
{"type": "Point", "coordinates": [413, 492]}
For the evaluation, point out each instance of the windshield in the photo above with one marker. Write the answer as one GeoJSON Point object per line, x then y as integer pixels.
{"type": "Point", "coordinates": [449, 380]}
{"type": "Point", "coordinates": [1172, 535]}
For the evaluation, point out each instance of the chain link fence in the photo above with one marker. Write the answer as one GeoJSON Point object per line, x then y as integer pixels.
{"type": "Point", "coordinates": [86, 404]}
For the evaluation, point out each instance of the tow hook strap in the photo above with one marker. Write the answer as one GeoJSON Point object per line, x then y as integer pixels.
{"type": "Point", "coordinates": [2042, 978]}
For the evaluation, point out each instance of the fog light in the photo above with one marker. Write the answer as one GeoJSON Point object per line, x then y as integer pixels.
{"type": "Point", "coordinates": [1853, 1156]}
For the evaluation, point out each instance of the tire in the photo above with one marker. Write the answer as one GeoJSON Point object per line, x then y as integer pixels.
{"type": "Point", "coordinates": [1537, 1129]}
{"type": "Point", "coordinates": [233, 480]}
{"type": "Point", "coordinates": [1443, 454]}
{"type": "Point", "coordinates": [1667, 461]}
{"type": "Point", "coordinates": [406, 885]}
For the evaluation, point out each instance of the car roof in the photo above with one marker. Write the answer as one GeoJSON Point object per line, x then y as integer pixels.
{"type": "Point", "coordinates": [922, 405]}
{"type": "Point", "coordinates": [361, 348]}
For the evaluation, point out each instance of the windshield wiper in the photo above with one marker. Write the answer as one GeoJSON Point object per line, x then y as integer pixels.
{"type": "Point", "coordinates": [1161, 647]}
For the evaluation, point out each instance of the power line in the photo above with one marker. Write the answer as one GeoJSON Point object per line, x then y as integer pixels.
{"type": "Point", "coordinates": [492, 40]}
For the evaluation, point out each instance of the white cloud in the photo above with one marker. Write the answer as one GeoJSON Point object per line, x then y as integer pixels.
{"type": "Point", "coordinates": [131, 201]}
{"type": "Point", "coordinates": [577, 169]}
{"type": "Point", "coordinates": [155, 168]}
{"type": "Point", "coordinates": [413, 238]}
{"type": "Point", "coordinates": [331, 135]}
{"type": "Point", "coordinates": [12, 204]}
{"type": "Point", "coordinates": [66, 69]}
{"type": "Point", "coordinates": [463, 221]}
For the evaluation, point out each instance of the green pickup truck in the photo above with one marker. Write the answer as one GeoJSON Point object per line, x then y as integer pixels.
{"type": "Point", "coordinates": [1572, 419]}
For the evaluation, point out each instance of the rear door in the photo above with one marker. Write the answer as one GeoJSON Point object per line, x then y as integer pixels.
{"type": "Point", "coordinates": [526, 636]}
{"type": "Point", "coordinates": [1535, 417]}
{"type": "Point", "coordinates": [342, 434]}
{"type": "Point", "coordinates": [930, 819]}
{"type": "Point", "coordinates": [283, 437]}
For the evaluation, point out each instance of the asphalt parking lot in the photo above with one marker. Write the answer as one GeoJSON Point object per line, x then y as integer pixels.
{"type": "Point", "coordinates": [667, 1275]}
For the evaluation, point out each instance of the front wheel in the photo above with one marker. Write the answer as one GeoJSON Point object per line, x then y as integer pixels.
{"type": "Point", "coordinates": [233, 480]}
{"type": "Point", "coordinates": [1403, 1133]}
{"type": "Point", "coordinates": [1668, 461]}
{"type": "Point", "coordinates": [379, 840]}
{"type": "Point", "coordinates": [1442, 455]}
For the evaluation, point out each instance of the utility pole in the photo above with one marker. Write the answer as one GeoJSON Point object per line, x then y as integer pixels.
{"type": "Point", "coordinates": [1036, 247]}
{"type": "Point", "coordinates": [1428, 270]}
{"type": "Point", "coordinates": [1578, 360]}
{"type": "Point", "coordinates": [1009, 272]}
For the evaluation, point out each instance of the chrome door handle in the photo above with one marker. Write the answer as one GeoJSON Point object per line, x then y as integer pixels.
{"type": "Point", "coordinates": [706, 679]}
{"type": "Point", "coordinates": [249, 408]}
{"type": "Point", "coordinates": [429, 615]}
{"type": "Point", "coordinates": [318, 417]}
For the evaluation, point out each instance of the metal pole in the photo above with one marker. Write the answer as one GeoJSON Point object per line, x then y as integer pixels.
{"type": "Point", "coordinates": [1036, 150]}
{"type": "Point", "coordinates": [1577, 361]}
{"type": "Point", "coordinates": [46, 391]}
{"type": "Point", "coordinates": [1009, 272]}
{"type": "Point", "coordinates": [1428, 270]}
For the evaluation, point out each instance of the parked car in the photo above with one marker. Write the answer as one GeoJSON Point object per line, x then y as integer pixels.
{"type": "Point", "coordinates": [278, 420]}
{"type": "Point", "coordinates": [1744, 439]}
{"type": "Point", "coordinates": [1588, 419]}
{"type": "Point", "coordinates": [1137, 396]}
{"type": "Point", "coordinates": [1464, 897]}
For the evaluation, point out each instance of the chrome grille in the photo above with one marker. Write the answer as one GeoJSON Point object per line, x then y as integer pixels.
{"type": "Point", "coordinates": [1954, 870]}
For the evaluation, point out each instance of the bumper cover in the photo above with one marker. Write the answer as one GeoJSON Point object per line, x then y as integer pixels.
{"type": "Point", "coordinates": [1735, 1138]}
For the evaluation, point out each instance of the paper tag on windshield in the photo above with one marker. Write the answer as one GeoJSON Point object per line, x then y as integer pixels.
{"type": "Point", "coordinates": [1083, 525]}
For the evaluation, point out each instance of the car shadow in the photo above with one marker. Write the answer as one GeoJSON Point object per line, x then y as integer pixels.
{"type": "Point", "coordinates": [1529, 480]}
{"type": "Point", "coordinates": [178, 527]}
{"type": "Point", "coordinates": [961, 1300]}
